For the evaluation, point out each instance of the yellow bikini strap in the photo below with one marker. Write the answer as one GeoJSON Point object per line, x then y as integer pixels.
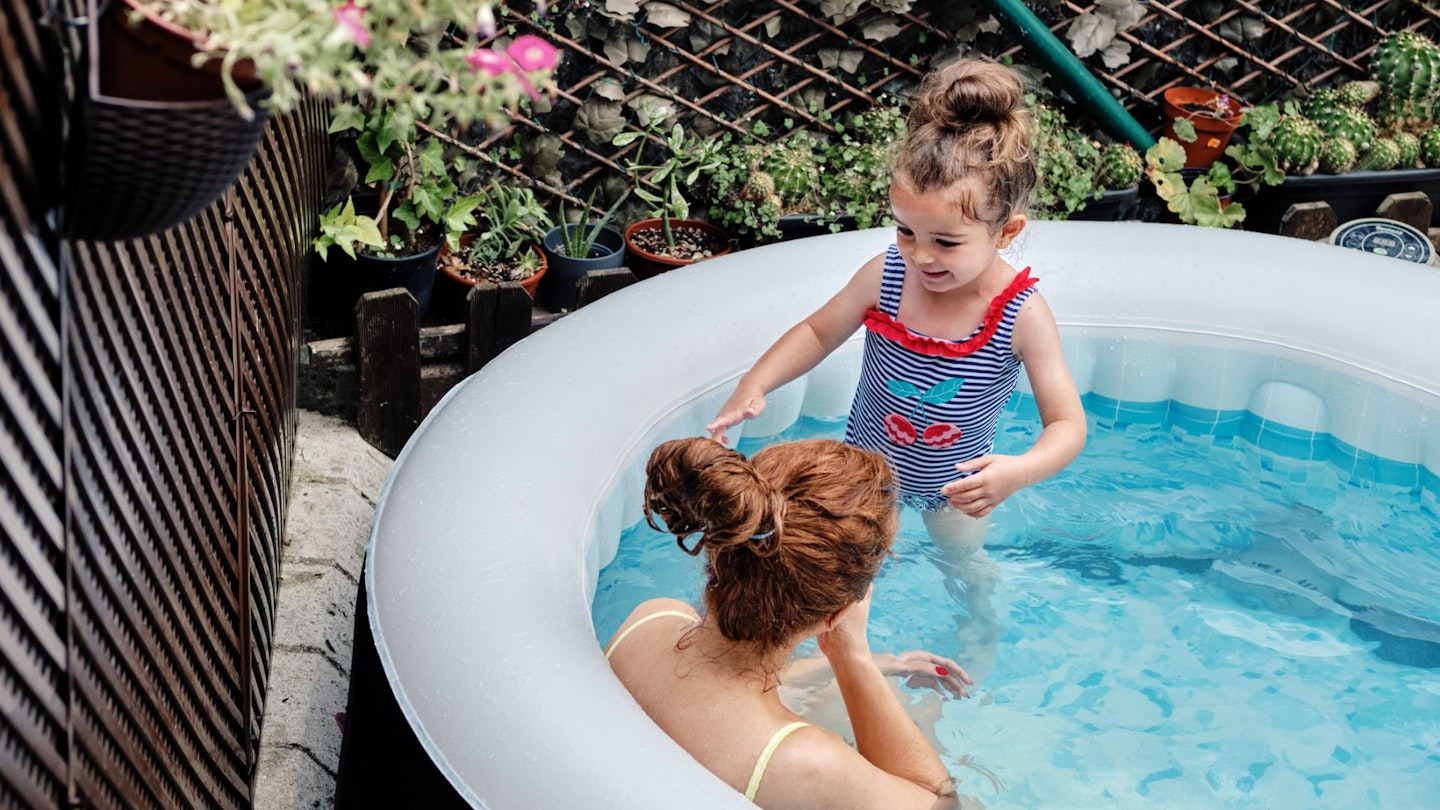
{"type": "Point", "coordinates": [764, 761]}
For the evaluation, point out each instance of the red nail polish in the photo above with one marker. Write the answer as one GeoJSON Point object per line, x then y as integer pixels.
{"type": "Point", "coordinates": [941, 671]}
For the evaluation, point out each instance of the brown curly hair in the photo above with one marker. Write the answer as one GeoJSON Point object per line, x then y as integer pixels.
{"type": "Point", "coordinates": [791, 536]}
{"type": "Point", "coordinates": [969, 119]}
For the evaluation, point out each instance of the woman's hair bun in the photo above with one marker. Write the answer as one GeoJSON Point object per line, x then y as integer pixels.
{"type": "Point", "coordinates": [700, 486]}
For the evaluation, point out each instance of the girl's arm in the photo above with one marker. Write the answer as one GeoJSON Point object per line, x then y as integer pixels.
{"type": "Point", "coordinates": [802, 347]}
{"type": "Point", "coordinates": [1037, 341]}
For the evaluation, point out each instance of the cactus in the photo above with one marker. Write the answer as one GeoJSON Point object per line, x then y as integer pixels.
{"type": "Point", "coordinates": [1357, 93]}
{"type": "Point", "coordinates": [1337, 156]}
{"type": "Point", "coordinates": [1409, 147]}
{"type": "Point", "coordinates": [1348, 123]}
{"type": "Point", "coordinates": [1382, 157]}
{"type": "Point", "coordinates": [1407, 67]}
{"type": "Point", "coordinates": [1430, 147]}
{"type": "Point", "coordinates": [1120, 166]}
{"type": "Point", "coordinates": [758, 186]}
{"type": "Point", "coordinates": [1297, 140]}
{"type": "Point", "coordinates": [1322, 101]}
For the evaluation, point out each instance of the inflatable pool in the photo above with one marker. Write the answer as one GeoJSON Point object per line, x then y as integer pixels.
{"type": "Point", "coordinates": [511, 496]}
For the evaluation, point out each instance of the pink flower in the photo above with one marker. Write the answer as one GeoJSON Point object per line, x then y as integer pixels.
{"type": "Point", "coordinates": [532, 53]}
{"type": "Point", "coordinates": [351, 19]}
{"type": "Point", "coordinates": [488, 60]}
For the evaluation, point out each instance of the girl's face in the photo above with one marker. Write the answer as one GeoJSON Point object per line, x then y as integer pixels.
{"type": "Point", "coordinates": [943, 248]}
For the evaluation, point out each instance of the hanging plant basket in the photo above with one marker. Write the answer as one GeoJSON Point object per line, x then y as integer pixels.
{"type": "Point", "coordinates": [156, 141]}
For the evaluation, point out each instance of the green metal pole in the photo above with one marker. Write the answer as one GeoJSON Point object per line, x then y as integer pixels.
{"type": "Point", "coordinates": [1071, 72]}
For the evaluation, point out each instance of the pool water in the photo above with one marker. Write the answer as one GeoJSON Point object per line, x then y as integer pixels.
{"type": "Point", "coordinates": [1176, 620]}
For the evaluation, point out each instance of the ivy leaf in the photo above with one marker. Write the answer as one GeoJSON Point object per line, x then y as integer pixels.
{"type": "Point", "coordinates": [622, 9]}
{"type": "Point", "coordinates": [428, 200]}
{"type": "Point", "coordinates": [1116, 54]}
{"type": "Point", "coordinates": [1125, 13]}
{"type": "Point", "coordinates": [900, 388]}
{"type": "Point", "coordinates": [1185, 130]}
{"type": "Point", "coordinates": [664, 15]}
{"type": "Point", "coordinates": [943, 391]}
{"type": "Point", "coordinates": [347, 117]}
{"type": "Point", "coordinates": [432, 159]}
{"type": "Point", "coordinates": [881, 29]}
{"type": "Point", "coordinates": [1166, 155]}
{"type": "Point", "coordinates": [1090, 33]}
{"type": "Point", "coordinates": [839, 10]}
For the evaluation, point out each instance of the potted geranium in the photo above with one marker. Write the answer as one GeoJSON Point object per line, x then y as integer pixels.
{"type": "Point", "coordinates": [161, 71]}
{"type": "Point", "coordinates": [1202, 120]}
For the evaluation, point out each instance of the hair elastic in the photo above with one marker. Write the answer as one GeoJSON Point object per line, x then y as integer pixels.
{"type": "Point", "coordinates": [763, 535]}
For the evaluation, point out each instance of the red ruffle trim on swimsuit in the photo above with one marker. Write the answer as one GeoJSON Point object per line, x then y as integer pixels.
{"type": "Point", "coordinates": [891, 329]}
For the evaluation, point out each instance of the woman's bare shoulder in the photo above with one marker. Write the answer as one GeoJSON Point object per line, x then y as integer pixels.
{"type": "Point", "coordinates": [818, 769]}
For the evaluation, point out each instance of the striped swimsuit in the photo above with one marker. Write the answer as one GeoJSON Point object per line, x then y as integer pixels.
{"type": "Point", "coordinates": [929, 404]}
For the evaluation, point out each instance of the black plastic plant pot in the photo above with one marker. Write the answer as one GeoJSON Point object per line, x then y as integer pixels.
{"type": "Point", "coordinates": [1113, 206]}
{"type": "Point", "coordinates": [800, 226]}
{"type": "Point", "coordinates": [560, 286]}
{"type": "Point", "coordinates": [1355, 195]}
{"type": "Point", "coordinates": [337, 284]}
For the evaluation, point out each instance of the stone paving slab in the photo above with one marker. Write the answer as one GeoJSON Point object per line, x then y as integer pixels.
{"type": "Point", "coordinates": [335, 484]}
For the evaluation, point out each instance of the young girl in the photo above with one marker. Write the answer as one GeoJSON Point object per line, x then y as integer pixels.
{"type": "Point", "coordinates": [949, 322]}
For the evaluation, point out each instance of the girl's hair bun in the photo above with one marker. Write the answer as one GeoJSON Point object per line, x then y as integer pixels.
{"type": "Point", "coordinates": [967, 93]}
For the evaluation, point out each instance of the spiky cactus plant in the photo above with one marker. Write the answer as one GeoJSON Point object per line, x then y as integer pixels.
{"type": "Point", "coordinates": [1409, 146]}
{"type": "Point", "coordinates": [1297, 141]}
{"type": "Point", "coordinates": [1358, 93]}
{"type": "Point", "coordinates": [1337, 156]}
{"type": "Point", "coordinates": [1407, 67]}
{"type": "Point", "coordinates": [1382, 157]}
{"type": "Point", "coordinates": [1346, 123]}
{"type": "Point", "coordinates": [1120, 166]}
{"type": "Point", "coordinates": [1430, 147]}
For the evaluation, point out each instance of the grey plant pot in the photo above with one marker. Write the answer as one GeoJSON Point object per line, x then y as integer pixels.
{"type": "Point", "coordinates": [560, 286]}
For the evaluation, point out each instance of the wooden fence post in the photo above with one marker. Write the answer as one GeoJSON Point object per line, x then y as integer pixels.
{"type": "Point", "coordinates": [387, 340]}
{"type": "Point", "coordinates": [597, 284]}
{"type": "Point", "coordinates": [499, 315]}
{"type": "Point", "coordinates": [1308, 220]}
{"type": "Point", "coordinates": [1410, 207]}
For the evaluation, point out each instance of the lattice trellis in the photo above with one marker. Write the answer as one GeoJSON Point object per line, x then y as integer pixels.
{"type": "Point", "coordinates": [784, 63]}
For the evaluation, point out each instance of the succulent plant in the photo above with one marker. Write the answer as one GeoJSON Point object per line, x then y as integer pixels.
{"type": "Point", "coordinates": [758, 186]}
{"type": "Point", "coordinates": [1430, 147]}
{"type": "Point", "coordinates": [1409, 146]}
{"type": "Point", "coordinates": [1407, 67]}
{"type": "Point", "coordinates": [1120, 166]}
{"type": "Point", "coordinates": [1326, 98]}
{"type": "Point", "coordinates": [1383, 156]}
{"type": "Point", "coordinates": [1297, 141]}
{"type": "Point", "coordinates": [1358, 93]}
{"type": "Point", "coordinates": [1347, 123]}
{"type": "Point", "coordinates": [1337, 156]}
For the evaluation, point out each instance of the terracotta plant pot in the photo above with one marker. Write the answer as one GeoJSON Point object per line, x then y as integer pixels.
{"type": "Point", "coordinates": [646, 264]}
{"type": "Point", "coordinates": [454, 288]}
{"type": "Point", "coordinates": [1212, 133]}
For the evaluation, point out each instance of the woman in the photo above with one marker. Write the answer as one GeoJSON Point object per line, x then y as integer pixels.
{"type": "Point", "coordinates": [793, 540]}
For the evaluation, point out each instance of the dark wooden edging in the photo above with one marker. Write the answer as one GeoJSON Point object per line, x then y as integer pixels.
{"type": "Point", "coordinates": [389, 376]}
{"type": "Point", "coordinates": [1316, 220]}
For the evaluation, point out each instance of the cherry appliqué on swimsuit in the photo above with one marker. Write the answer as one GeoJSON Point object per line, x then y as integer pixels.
{"type": "Point", "coordinates": [901, 429]}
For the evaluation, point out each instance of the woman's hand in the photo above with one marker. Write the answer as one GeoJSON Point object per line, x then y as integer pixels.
{"type": "Point", "coordinates": [845, 639]}
{"type": "Point", "coordinates": [741, 405]}
{"type": "Point", "coordinates": [926, 670]}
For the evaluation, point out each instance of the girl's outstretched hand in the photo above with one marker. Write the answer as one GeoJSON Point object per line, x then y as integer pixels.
{"type": "Point", "coordinates": [996, 477]}
{"type": "Point", "coordinates": [740, 406]}
{"type": "Point", "coordinates": [926, 670]}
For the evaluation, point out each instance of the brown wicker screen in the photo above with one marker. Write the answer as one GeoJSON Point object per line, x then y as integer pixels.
{"type": "Point", "coordinates": [146, 433]}
{"type": "Point", "coordinates": [739, 62]}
